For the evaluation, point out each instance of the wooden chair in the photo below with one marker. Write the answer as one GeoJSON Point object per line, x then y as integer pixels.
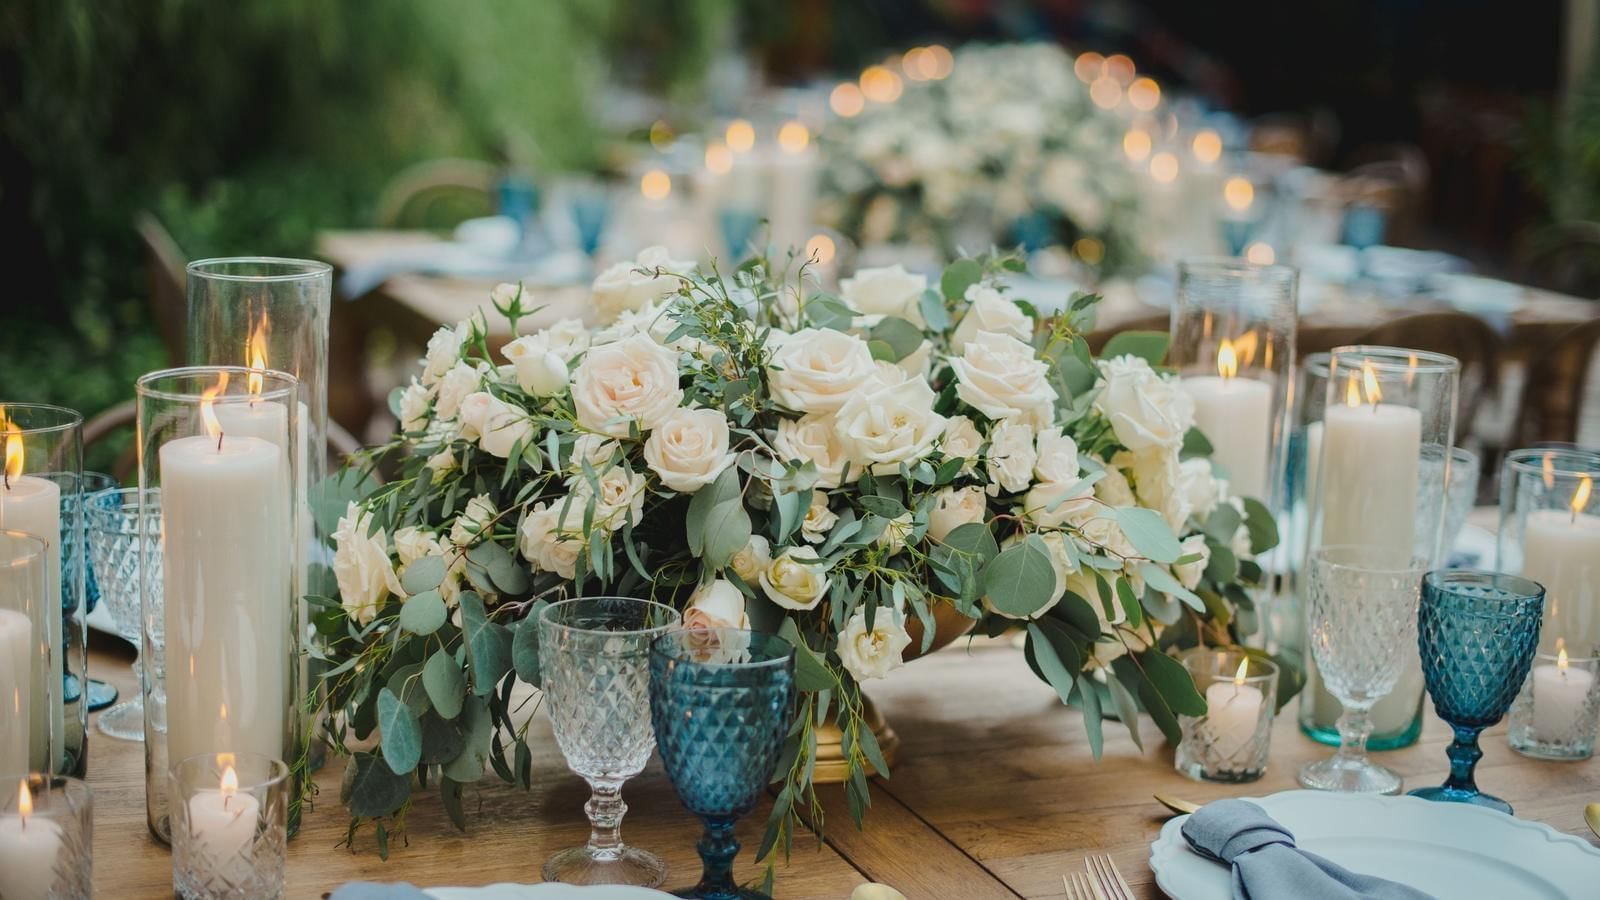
{"type": "Point", "coordinates": [1467, 338]}
{"type": "Point", "coordinates": [437, 194]}
{"type": "Point", "coordinates": [164, 268]}
{"type": "Point", "coordinates": [1553, 406]}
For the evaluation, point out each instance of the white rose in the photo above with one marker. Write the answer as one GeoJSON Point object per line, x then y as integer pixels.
{"type": "Point", "coordinates": [361, 565]}
{"type": "Point", "coordinates": [414, 407]}
{"type": "Point", "coordinates": [1189, 573]}
{"type": "Point", "coordinates": [795, 579]}
{"type": "Point", "coordinates": [1200, 489]}
{"type": "Point", "coordinates": [412, 543]}
{"type": "Point", "coordinates": [1011, 455]}
{"type": "Point", "coordinates": [1058, 457]}
{"type": "Point", "coordinates": [1113, 489]}
{"type": "Point", "coordinates": [444, 351]}
{"type": "Point", "coordinates": [633, 379]}
{"type": "Point", "coordinates": [565, 338]}
{"type": "Point", "coordinates": [961, 438]}
{"type": "Point", "coordinates": [1052, 504]}
{"type": "Point", "coordinates": [456, 384]}
{"type": "Point", "coordinates": [499, 425]}
{"type": "Point", "coordinates": [689, 449]}
{"type": "Point", "coordinates": [819, 519]}
{"type": "Point", "coordinates": [473, 521]}
{"type": "Point", "coordinates": [875, 891]}
{"type": "Point", "coordinates": [749, 562]}
{"type": "Point", "coordinates": [540, 370]}
{"type": "Point", "coordinates": [812, 438]}
{"type": "Point", "coordinates": [634, 285]}
{"type": "Point", "coordinates": [915, 365]}
{"type": "Point", "coordinates": [442, 461]}
{"type": "Point", "coordinates": [990, 311]}
{"type": "Point", "coordinates": [546, 544]}
{"type": "Point", "coordinates": [597, 449]}
{"type": "Point", "coordinates": [889, 291]}
{"type": "Point", "coordinates": [895, 533]}
{"type": "Point", "coordinates": [883, 429]}
{"type": "Point", "coordinates": [717, 604]}
{"type": "Point", "coordinates": [876, 652]}
{"type": "Point", "coordinates": [621, 495]}
{"type": "Point", "coordinates": [815, 370]}
{"type": "Point", "coordinates": [955, 507]}
{"type": "Point", "coordinates": [998, 376]}
{"type": "Point", "coordinates": [1156, 477]}
{"type": "Point", "coordinates": [1145, 409]}
{"type": "Point", "coordinates": [505, 292]}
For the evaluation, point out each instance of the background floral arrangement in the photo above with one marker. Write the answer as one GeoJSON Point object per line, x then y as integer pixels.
{"type": "Point", "coordinates": [831, 468]}
{"type": "Point", "coordinates": [1008, 149]}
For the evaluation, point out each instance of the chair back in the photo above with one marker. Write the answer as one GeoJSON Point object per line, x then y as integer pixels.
{"type": "Point", "coordinates": [1556, 398]}
{"type": "Point", "coordinates": [438, 193]}
{"type": "Point", "coordinates": [164, 267]}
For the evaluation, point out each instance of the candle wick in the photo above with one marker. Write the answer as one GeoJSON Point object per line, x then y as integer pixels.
{"type": "Point", "coordinates": [219, 441]}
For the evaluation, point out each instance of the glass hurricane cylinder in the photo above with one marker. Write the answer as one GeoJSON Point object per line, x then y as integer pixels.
{"type": "Point", "coordinates": [1233, 339]}
{"type": "Point", "coordinates": [39, 495]}
{"type": "Point", "coordinates": [46, 837]}
{"type": "Point", "coordinates": [1376, 427]}
{"type": "Point", "coordinates": [220, 659]}
{"type": "Point", "coordinates": [1550, 533]}
{"type": "Point", "coordinates": [229, 827]}
{"type": "Point", "coordinates": [28, 687]}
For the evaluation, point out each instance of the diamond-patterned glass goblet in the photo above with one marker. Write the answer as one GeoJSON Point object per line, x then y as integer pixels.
{"type": "Point", "coordinates": [594, 654]}
{"type": "Point", "coordinates": [114, 550]}
{"type": "Point", "coordinates": [721, 700]}
{"type": "Point", "coordinates": [1362, 612]}
{"type": "Point", "coordinates": [1477, 632]}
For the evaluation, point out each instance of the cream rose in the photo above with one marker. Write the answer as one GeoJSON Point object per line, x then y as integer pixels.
{"type": "Point", "coordinates": [595, 449]}
{"type": "Point", "coordinates": [875, 652]}
{"type": "Point", "coordinates": [1145, 409]}
{"type": "Point", "coordinates": [1011, 456]}
{"type": "Point", "coordinates": [999, 376]}
{"type": "Point", "coordinates": [444, 351]}
{"type": "Point", "coordinates": [1156, 476]}
{"type": "Point", "coordinates": [414, 407]}
{"type": "Point", "coordinates": [549, 545]}
{"type": "Point", "coordinates": [1058, 457]}
{"type": "Point", "coordinates": [749, 562]}
{"type": "Point", "coordinates": [1188, 574]}
{"type": "Point", "coordinates": [961, 439]}
{"type": "Point", "coordinates": [1200, 489]}
{"type": "Point", "coordinates": [361, 565]}
{"type": "Point", "coordinates": [812, 438]}
{"type": "Point", "coordinates": [412, 544]}
{"type": "Point", "coordinates": [689, 449]}
{"type": "Point", "coordinates": [889, 291]}
{"type": "Point", "coordinates": [620, 497]}
{"type": "Point", "coordinates": [990, 311]}
{"type": "Point", "coordinates": [716, 604]}
{"type": "Point", "coordinates": [895, 533]}
{"type": "Point", "coordinates": [634, 285]}
{"type": "Point", "coordinates": [795, 579]}
{"type": "Point", "coordinates": [1052, 504]}
{"type": "Point", "coordinates": [819, 519]}
{"type": "Point", "coordinates": [473, 521]}
{"type": "Point", "coordinates": [955, 507]}
{"type": "Point", "coordinates": [882, 429]}
{"type": "Point", "coordinates": [456, 384]}
{"type": "Point", "coordinates": [501, 427]}
{"type": "Point", "coordinates": [541, 370]}
{"type": "Point", "coordinates": [1112, 489]}
{"type": "Point", "coordinates": [815, 370]}
{"type": "Point", "coordinates": [634, 379]}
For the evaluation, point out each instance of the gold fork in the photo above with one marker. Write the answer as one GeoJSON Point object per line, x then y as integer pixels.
{"type": "Point", "coordinates": [1081, 888]}
{"type": "Point", "coordinates": [1109, 882]}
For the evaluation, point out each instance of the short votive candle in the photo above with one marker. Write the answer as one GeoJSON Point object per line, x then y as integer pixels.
{"type": "Point", "coordinates": [229, 826]}
{"type": "Point", "coordinates": [46, 835]}
{"type": "Point", "coordinates": [1231, 741]}
{"type": "Point", "coordinates": [1557, 714]}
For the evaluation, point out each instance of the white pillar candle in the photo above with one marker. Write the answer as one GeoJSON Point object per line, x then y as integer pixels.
{"type": "Point", "coordinates": [32, 505]}
{"type": "Point", "coordinates": [223, 821]}
{"type": "Point", "coordinates": [1368, 464]}
{"type": "Point", "coordinates": [17, 652]}
{"type": "Point", "coordinates": [1235, 414]}
{"type": "Point", "coordinates": [795, 169]}
{"type": "Point", "coordinates": [1559, 695]}
{"type": "Point", "coordinates": [29, 846]}
{"type": "Point", "coordinates": [1233, 710]}
{"type": "Point", "coordinates": [1561, 550]}
{"type": "Point", "coordinates": [226, 577]}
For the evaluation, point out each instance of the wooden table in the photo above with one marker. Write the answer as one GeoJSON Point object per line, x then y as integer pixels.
{"type": "Point", "coordinates": [995, 796]}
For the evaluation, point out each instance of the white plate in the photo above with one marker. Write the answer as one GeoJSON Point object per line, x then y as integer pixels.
{"type": "Point", "coordinates": [544, 892]}
{"type": "Point", "coordinates": [1446, 849]}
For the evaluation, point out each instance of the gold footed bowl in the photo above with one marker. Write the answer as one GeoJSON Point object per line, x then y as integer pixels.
{"type": "Point", "coordinates": [832, 767]}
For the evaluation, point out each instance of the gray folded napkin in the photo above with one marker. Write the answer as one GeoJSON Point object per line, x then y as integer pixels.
{"type": "Point", "coordinates": [371, 890]}
{"type": "Point", "coordinates": [1267, 865]}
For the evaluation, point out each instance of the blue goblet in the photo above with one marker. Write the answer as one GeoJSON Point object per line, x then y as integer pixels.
{"type": "Point", "coordinates": [1477, 632]}
{"type": "Point", "coordinates": [721, 700]}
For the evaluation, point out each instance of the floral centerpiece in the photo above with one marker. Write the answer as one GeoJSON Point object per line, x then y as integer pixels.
{"type": "Point", "coordinates": [831, 468]}
{"type": "Point", "coordinates": [1008, 149]}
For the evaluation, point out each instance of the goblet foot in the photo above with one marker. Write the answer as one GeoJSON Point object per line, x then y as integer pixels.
{"type": "Point", "coordinates": [1456, 795]}
{"type": "Point", "coordinates": [125, 721]}
{"type": "Point", "coordinates": [624, 865]}
{"type": "Point", "coordinates": [101, 695]}
{"type": "Point", "coordinates": [1349, 777]}
{"type": "Point", "coordinates": [736, 894]}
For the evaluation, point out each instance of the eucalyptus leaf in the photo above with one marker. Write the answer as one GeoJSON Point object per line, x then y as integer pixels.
{"type": "Point", "coordinates": [1057, 672]}
{"type": "Point", "coordinates": [902, 337]}
{"type": "Point", "coordinates": [478, 729]}
{"type": "Point", "coordinates": [525, 647]}
{"type": "Point", "coordinates": [1174, 683]}
{"type": "Point", "coordinates": [402, 736]}
{"type": "Point", "coordinates": [423, 613]}
{"type": "Point", "coordinates": [445, 683]}
{"type": "Point", "coordinates": [958, 276]}
{"type": "Point", "coordinates": [502, 567]}
{"type": "Point", "coordinates": [810, 673]}
{"type": "Point", "coordinates": [374, 788]}
{"type": "Point", "coordinates": [1092, 726]}
{"type": "Point", "coordinates": [441, 740]}
{"type": "Point", "coordinates": [425, 574]}
{"type": "Point", "coordinates": [933, 309]}
{"type": "Point", "coordinates": [1021, 580]}
{"type": "Point", "coordinates": [488, 644]}
{"type": "Point", "coordinates": [1127, 708]}
{"type": "Point", "coordinates": [1150, 346]}
{"type": "Point", "coordinates": [1148, 532]}
{"type": "Point", "coordinates": [450, 798]}
{"type": "Point", "coordinates": [1195, 443]}
{"type": "Point", "coordinates": [1263, 530]}
{"type": "Point", "coordinates": [1159, 578]}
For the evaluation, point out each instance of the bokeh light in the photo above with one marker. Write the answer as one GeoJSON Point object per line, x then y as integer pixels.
{"type": "Point", "coordinates": [1120, 67]}
{"type": "Point", "coordinates": [880, 85]}
{"type": "Point", "coordinates": [1238, 193]}
{"type": "Point", "coordinates": [821, 248]}
{"type": "Point", "coordinates": [655, 185]}
{"type": "Point", "coordinates": [847, 100]}
{"type": "Point", "coordinates": [1089, 249]}
{"type": "Point", "coordinates": [1206, 146]}
{"type": "Point", "coordinates": [1144, 94]}
{"type": "Point", "coordinates": [1088, 66]}
{"type": "Point", "coordinates": [741, 136]}
{"type": "Point", "coordinates": [719, 159]}
{"type": "Point", "coordinates": [1164, 167]}
{"type": "Point", "coordinates": [1136, 144]}
{"type": "Point", "coordinates": [1106, 92]}
{"type": "Point", "coordinates": [1260, 253]}
{"type": "Point", "coordinates": [793, 137]}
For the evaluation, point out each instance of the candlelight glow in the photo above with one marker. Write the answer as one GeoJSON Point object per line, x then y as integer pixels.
{"type": "Point", "coordinates": [1120, 67]}
{"type": "Point", "coordinates": [1561, 658]}
{"type": "Point", "coordinates": [719, 159]}
{"type": "Point", "coordinates": [13, 448]}
{"type": "Point", "coordinates": [793, 137]}
{"type": "Point", "coordinates": [1089, 250]}
{"type": "Point", "coordinates": [1244, 347]}
{"type": "Point", "coordinates": [1164, 167]}
{"type": "Point", "coordinates": [229, 786]}
{"type": "Point", "coordinates": [208, 414]}
{"type": "Point", "coordinates": [1369, 381]}
{"type": "Point", "coordinates": [880, 85]}
{"type": "Point", "coordinates": [1206, 146]}
{"type": "Point", "coordinates": [256, 352]}
{"type": "Point", "coordinates": [1260, 253]}
{"type": "Point", "coordinates": [820, 248]}
{"type": "Point", "coordinates": [941, 60]}
{"type": "Point", "coordinates": [1580, 497]}
{"type": "Point", "coordinates": [741, 136]}
{"type": "Point", "coordinates": [1144, 94]}
{"type": "Point", "coordinates": [1227, 360]}
{"type": "Point", "coordinates": [1106, 92]}
{"type": "Point", "coordinates": [1088, 66]}
{"type": "Point", "coordinates": [1549, 470]}
{"type": "Point", "coordinates": [1352, 391]}
{"type": "Point", "coordinates": [1136, 144]}
{"type": "Point", "coordinates": [24, 799]}
{"type": "Point", "coordinates": [656, 184]}
{"type": "Point", "coordinates": [1244, 672]}
{"type": "Point", "coordinates": [1238, 193]}
{"type": "Point", "coordinates": [847, 100]}
{"type": "Point", "coordinates": [920, 64]}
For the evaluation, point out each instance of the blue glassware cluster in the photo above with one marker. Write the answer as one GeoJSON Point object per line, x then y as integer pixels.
{"type": "Point", "coordinates": [721, 701]}
{"type": "Point", "coordinates": [1477, 632]}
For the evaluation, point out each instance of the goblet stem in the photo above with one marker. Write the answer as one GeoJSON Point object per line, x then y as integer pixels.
{"type": "Point", "coordinates": [605, 810]}
{"type": "Point", "coordinates": [1355, 726]}
{"type": "Point", "coordinates": [1464, 754]}
{"type": "Point", "coordinates": [717, 850]}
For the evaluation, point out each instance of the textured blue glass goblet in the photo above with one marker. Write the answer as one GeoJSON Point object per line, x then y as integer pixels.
{"type": "Point", "coordinates": [1477, 632]}
{"type": "Point", "coordinates": [721, 700]}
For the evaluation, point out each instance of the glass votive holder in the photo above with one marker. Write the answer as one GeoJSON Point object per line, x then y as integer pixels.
{"type": "Point", "coordinates": [1557, 714]}
{"type": "Point", "coordinates": [230, 817]}
{"type": "Point", "coordinates": [46, 837]}
{"type": "Point", "coordinates": [1230, 742]}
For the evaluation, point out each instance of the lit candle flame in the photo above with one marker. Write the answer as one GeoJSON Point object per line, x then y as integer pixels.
{"type": "Point", "coordinates": [1549, 470]}
{"type": "Point", "coordinates": [1352, 391]}
{"type": "Point", "coordinates": [256, 353]}
{"type": "Point", "coordinates": [229, 786]}
{"type": "Point", "coordinates": [24, 800]}
{"type": "Point", "coordinates": [1227, 360]}
{"type": "Point", "coordinates": [1561, 660]}
{"type": "Point", "coordinates": [1242, 673]}
{"type": "Point", "coordinates": [14, 450]}
{"type": "Point", "coordinates": [1580, 497]}
{"type": "Point", "coordinates": [208, 413]}
{"type": "Point", "coordinates": [1369, 381]}
{"type": "Point", "coordinates": [1411, 369]}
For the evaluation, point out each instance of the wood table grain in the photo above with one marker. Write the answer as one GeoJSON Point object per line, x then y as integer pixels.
{"type": "Point", "coordinates": [995, 795]}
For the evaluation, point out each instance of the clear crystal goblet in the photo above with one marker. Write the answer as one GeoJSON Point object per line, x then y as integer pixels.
{"type": "Point", "coordinates": [115, 548]}
{"type": "Point", "coordinates": [595, 660]}
{"type": "Point", "coordinates": [1362, 618]}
